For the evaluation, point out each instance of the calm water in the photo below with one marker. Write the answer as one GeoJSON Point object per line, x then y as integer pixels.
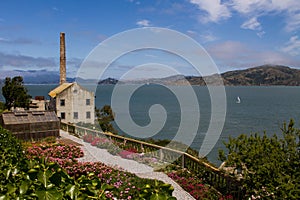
{"type": "Point", "coordinates": [261, 109]}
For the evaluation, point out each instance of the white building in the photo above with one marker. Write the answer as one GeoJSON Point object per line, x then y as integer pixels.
{"type": "Point", "coordinates": [73, 103]}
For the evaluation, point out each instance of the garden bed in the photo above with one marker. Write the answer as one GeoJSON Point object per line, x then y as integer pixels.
{"type": "Point", "coordinates": [50, 171]}
{"type": "Point", "coordinates": [188, 181]}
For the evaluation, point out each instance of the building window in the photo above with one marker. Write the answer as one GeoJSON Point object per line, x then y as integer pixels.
{"type": "Point", "coordinates": [62, 115]}
{"type": "Point", "coordinates": [88, 102]}
{"type": "Point", "coordinates": [88, 115]}
{"type": "Point", "coordinates": [62, 102]}
{"type": "Point", "coordinates": [75, 115]}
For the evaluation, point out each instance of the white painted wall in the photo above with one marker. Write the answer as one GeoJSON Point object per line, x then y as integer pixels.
{"type": "Point", "coordinates": [75, 101]}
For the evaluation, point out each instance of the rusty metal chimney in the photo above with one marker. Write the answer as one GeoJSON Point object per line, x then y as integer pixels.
{"type": "Point", "coordinates": [62, 68]}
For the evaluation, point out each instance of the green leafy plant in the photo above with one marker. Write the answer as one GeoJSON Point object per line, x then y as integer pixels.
{"type": "Point", "coordinates": [157, 191]}
{"type": "Point", "coordinates": [39, 178]}
{"type": "Point", "coordinates": [269, 166]}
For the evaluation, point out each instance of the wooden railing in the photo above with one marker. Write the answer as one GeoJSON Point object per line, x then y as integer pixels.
{"type": "Point", "coordinates": [221, 181]}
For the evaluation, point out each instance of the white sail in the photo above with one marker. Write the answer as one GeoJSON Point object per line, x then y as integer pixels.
{"type": "Point", "coordinates": [238, 100]}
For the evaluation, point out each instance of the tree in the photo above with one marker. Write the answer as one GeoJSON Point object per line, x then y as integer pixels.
{"type": "Point", "coordinates": [2, 107]}
{"type": "Point", "coordinates": [15, 93]}
{"type": "Point", "coordinates": [270, 167]}
{"type": "Point", "coordinates": [105, 116]}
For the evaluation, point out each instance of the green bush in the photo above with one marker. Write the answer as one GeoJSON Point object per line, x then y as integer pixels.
{"type": "Point", "coordinates": [269, 166]}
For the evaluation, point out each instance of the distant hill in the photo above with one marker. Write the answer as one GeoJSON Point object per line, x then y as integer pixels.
{"type": "Point", "coordinates": [262, 75]}
{"type": "Point", "coordinates": [108, 81]}
{"type": "Point", "coordinates": [35, 76]}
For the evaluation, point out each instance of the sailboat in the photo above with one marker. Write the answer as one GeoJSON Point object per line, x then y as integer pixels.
{"type": "Point", "coordinates": [238, 100]}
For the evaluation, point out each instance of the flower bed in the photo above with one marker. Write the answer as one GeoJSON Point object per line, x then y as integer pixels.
{"type": "Point", "coordinates": [55, 150]}
{"type": "Point", "coordinates": [188, 182]}
{"type": "Point", "coordinates": [195, 186]}
{"type": "Point", "coordinates": [118, 148]}
{"type": "Point", "coordinates": [126, 185]}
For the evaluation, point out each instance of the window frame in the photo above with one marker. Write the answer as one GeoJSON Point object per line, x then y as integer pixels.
{"type": "Point", "coordinates": [75, 115]}
{"type": "Point", "coordinates": [87, 102]}
{"type": "Point", "coordinates": [62, 102]}
{"type": "Point", "coordinates": [62, 115]}
{"type": "Point", "coordinates": [88, 115]}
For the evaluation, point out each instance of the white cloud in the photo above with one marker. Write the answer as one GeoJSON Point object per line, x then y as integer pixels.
{"type": "Point", "coordinates": [250, 6]}
{"type": "Point", "coordinates": [55, 8]}
{"type": "Point", "coordinates": [260, 34]}
{"type": "Point", "coordinates": [215, 10]}
{"type": "Point", "coordinates": [293, 22]}
{"type": "Point", "coordinates": [19, 41]}
{"type": "Point", "coordinates": [143, 22]}
{"type": "Point", "coordinates": [208, 37]}
{"type": "Point", "coordinates": [258, 8]}
{"type": "Point", "coordinates": [228, 50]}
{"type": "Point", "coordinates": [190, 32]}
{"type": "Point", "coordinates": [292, 47]}
{"type": "Point", "coordinates": [236, 54]}
{"type": "Point", "coordinates": [251, 24]}
{"type": "Point", "coordinates": [3, 40]}
{"type": "Point", "coordinates": [24, 61]}
{"type": "Point", "coordinates": [204, 37]}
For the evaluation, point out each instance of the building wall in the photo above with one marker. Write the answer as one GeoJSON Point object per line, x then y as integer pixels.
{"type": "Point", "coordinates": [28, 125]}
{"type": "Point", "coordinates": [75, 98]}
{"type": "Point", "coordinates": [38, 105]}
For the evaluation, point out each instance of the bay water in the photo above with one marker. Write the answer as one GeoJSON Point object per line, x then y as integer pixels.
{"type": "Point", "coordinates": [262, 109]}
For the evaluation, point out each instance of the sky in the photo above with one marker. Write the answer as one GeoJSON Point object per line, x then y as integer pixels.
{"type": "Point", "coordinates": [236, 34]}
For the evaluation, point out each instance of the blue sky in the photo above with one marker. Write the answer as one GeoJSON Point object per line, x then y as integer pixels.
{"type": "Point", "coordinates": [237, 34]}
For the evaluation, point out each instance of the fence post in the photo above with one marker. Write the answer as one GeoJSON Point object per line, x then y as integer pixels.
{"type": "Point", "coordinates": [161, 155]}
{"type": "Point", "coordinates": [182, 161]}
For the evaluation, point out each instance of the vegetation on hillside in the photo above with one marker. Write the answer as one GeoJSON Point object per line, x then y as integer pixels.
{"type": "Point", "coordinates": [269, 166]}
{"type": "Point", "coordinates": [262, 75]}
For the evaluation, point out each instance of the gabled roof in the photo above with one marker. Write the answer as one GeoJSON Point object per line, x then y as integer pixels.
{"type": "Point", "coordinates": [59, 89]}
{"type": "Point", "coordinates": [28, 117]}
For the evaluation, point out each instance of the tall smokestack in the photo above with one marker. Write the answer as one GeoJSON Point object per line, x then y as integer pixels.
{"type": "Point", "coordinates": [62, 59]}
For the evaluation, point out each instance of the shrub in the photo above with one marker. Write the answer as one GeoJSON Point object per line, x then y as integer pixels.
{"type": "Point", "coordinates": [269, 166]}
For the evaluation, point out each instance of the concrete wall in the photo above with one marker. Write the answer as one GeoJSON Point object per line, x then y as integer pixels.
{"type": "Point", "coordinates": [75, 101]}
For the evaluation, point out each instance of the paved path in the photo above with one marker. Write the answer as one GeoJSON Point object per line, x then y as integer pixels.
{"type": "Point", "coordinates": [94, 154]}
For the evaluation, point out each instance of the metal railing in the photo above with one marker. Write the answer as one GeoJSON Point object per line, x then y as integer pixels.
{"type": "Point", "coordinates": [221, 181]}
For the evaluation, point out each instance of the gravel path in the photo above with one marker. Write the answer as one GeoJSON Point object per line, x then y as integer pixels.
{"type": "Point", "coordinates": [94, 154]}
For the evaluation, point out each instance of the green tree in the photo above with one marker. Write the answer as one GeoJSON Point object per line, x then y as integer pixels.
{"type": "Point", "coordinates": [15, 93]}
{"type": "Point", "coordinates": [105, 116]}
{"type": "Point", "coordinates": [270, 166]}
{"type": "Point", "coordinates": [2, 107]}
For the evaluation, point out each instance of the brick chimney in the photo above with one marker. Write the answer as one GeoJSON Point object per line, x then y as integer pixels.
{"type": "Point", "coordinates": [62, 68]}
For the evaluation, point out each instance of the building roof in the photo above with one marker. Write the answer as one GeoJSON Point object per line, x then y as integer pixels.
{"type": "Point", "coordinates": [59, 89]}
{"type": "Point", "coordinates": [26, 117]}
